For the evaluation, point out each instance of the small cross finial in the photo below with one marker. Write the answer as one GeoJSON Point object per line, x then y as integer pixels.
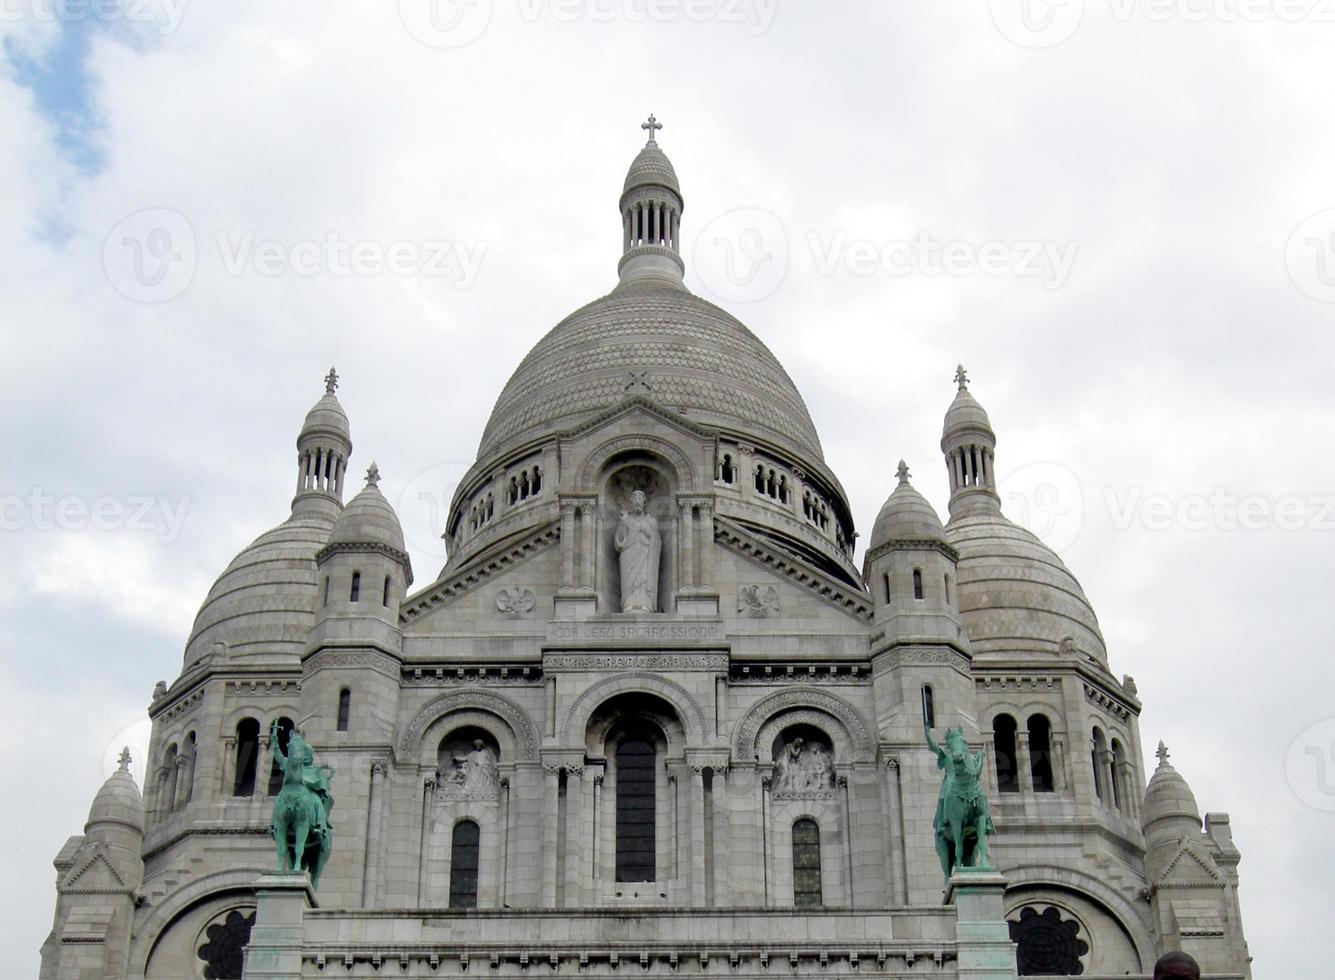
{"type": "Point", "coordinates": [903, 472]}
{"type": "Point", "coordinates": [962, 378]}
{"type": "Point", "coordinates": [124, 760]}
{"type": "Point", "coordinates": [372, 475]}
{"type": "Point", "coordinates": [653, 125]}
{"type": "Point", "coordinates": [330, 382]}
{"type": "Point", "coordinates": [1162, 753]}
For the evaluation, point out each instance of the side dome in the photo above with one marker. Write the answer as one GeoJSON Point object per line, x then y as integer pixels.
{"type": "Point", "coordinates": [265, 601]}
{"type": "Point", "coordinates": [1170, 809]}
{"type": "Point", "coordinates": [1015, 594]}
{"type": "Point", "coordinates": [906, 516]}
{"type": "Point", "coordinates": [118, 804]}
{"type": "Point", "coordinates": [368, 518]}
{"type": "Point", "coordinates": [691, 357]}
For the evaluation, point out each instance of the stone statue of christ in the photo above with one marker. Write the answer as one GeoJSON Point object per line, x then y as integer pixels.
{"type": "Point", "coordinates": [640, 546]}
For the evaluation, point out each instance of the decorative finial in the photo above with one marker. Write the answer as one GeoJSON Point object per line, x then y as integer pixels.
{"type": "Point", "coordinates": [652, 125]}
{"type": "Point", "coordinates": [962, 378]}
{"type": "Point", "coordinates": [124, 760]}
{"type": "Point", "coordinates": [372, 475]}
{"type": "Point", "coordinates": [1162, 753]}
{"type": "Point", "coordinates": [331, 382]}
{"type": "Point", "coordinates": [903, 472]}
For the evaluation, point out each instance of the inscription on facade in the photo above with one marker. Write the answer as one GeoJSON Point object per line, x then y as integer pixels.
{"type": "Point", "coordinates": [634, 632]}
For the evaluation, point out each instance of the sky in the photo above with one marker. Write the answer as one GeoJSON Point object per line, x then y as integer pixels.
{"type": "Point", "coordinates": [1118, 214]}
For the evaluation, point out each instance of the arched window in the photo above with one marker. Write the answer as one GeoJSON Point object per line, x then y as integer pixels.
{"type": "Point", "coordinates": [928, 706]}
{"type": "Point", "coordinates": [1098, 748]}
{"type": "Point", "coordinates": [247, 756]}
{"type": "Point", "coordinates": [806, 864]}
{"type": "Point", "coordinates": [325, 600]}
{"type": "Point", "coordinates": [355, 593]}
{"type": "Point", "coordinates": [190, 753]}
{"type": "Point", "coordinates": [385, 601]}
{"type": "Point", "coordinates": [276, 771]}
{"type": "Point", "coordinates": [725, 470]}
{"type": "Point", "coordinates": [1040, 753]}
{"type": "Point", "coordinates": [886, 582]}
{"type": "Point", "coordinates": [463, 864]}
{"type": "Point", "coordinates": [917, 583]}
{"type": "Point", "coordinates": [537, 480]}
{"type": "Point", "coordinates": [945, 584]}
{"type": "Point", "coordinates": [344, 709]}
{"type": "Point", "coordinates": [1003, 744]}
{"type": "Point", "coordinates": [636, 818]}
{"type": "Point", "coordinates": [1115, 761]}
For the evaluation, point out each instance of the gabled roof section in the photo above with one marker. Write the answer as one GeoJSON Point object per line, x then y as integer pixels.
{"type": "Point", "coordinates": [493, 561]}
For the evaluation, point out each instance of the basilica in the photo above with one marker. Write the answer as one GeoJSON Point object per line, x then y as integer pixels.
{"type": "Point", "coordinates": [651, 718]}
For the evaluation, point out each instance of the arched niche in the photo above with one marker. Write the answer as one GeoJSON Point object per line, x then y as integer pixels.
{"type": "Point", "coordinates": [516, 739]}
{"type": "Point", "coordinates": [683, 705]}
{"type": "Point", "coordinates": [849, 733]}
{"type": "Point", "coordinates": [647, 715]}
{"type": "Point", "coordinates": [623, 475]}
{"type": "Point", "coordinates": [802, 753]}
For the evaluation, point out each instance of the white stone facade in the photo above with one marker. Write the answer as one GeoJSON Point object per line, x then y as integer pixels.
{"type": "Point", "coordinates": [763, 731]}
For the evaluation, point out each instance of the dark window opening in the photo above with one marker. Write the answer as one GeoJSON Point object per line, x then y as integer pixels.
{"type": "Point", "coordinates": [463, 865]}
{"type": "Point", "coordinates": [928, 707]}
{"type": "Point", "coordinates": [385, 601]}
{"type": "Point", "coordinates": [355, 593]}
{"type": "Point", "coordinates": [1003, 743]}
{"type": "Point", "coordinates": [636, 841]}
{"type": "Point", "coordinates": [344, 709]}
{"type": "Point", "coordinates": [247, 757]}
{"type": "Point", "coordinates": [806, 864]}
{"type": "Point", "coordinates": [1040, 753]}
{"type": "Point", "coordinates": [917, 584]}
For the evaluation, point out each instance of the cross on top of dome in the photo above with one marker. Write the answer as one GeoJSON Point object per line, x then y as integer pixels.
{"type": "Point", "coordinates": [652, 125]}
{"type": "Point", "coordinates": [331, 382]}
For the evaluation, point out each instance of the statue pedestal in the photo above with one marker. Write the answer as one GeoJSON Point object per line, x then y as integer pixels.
{"type": "Point", "coordinates": [984, 940]}
{"type": "Point", "coordinates": [574, 605]}
{"type": "Point", "coordinates": [274, 951]}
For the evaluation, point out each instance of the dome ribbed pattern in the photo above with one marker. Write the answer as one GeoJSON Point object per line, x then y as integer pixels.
{"type": "Point", "coordinates": [906, 516]}
{"type": "Point", "coordinates": [265, 601]}
{"type": "Point", "coordinates": [368, 518]}
{"type": "Point", "coordinates": [696, 359]}
{"type": "Point", "coordinates": [965, 412]}
{"type": "Point", "coordinates": [1169, 798]}
{"type": "Point", "coordinates": [327, 416]}
{"type": "Point", "coordinates": [651, 167]}
{"type": "Point", "coordinates": [1015, 594]}
{"type": "Point", "coordinates": [117, 802]}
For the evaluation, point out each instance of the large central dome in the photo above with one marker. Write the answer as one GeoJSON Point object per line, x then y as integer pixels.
{"type": "Point", "coordinates": [660, 341]}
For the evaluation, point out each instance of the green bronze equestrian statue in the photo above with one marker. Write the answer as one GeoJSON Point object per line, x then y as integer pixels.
{"type": "Point", "coordinates": [963, 818]}
{"type": "Point", "coordinates": [301, 810]}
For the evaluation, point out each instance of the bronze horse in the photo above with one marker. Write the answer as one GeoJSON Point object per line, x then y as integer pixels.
{"type": "Point", "coordinates": [300, 824]}
{"type": "Point", "coordinates": [963, 818]}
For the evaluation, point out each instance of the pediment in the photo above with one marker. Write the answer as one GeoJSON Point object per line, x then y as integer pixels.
{"type": "Point", "coordinates": [93, 872]}
{"type": "Point", "coordinates": [1189, 867]}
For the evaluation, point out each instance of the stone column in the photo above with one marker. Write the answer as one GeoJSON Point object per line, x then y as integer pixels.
{"type": "Point", "coordinates": [424, 841]}
{"type": "Point", "coordinates": [551, 796]}
{"type": "Point", "coordinates": [1024, 773]}
{"type": "Point", "coordinates": [1060, 780]}
{"type": "Point", "coordinates": [686, 536]}
{"type": "Point", "coordinates": [274, 951]}
{"type": "Point", "coordinates": [722, 882]}
{"type": "Point", "coordinates": [503, 857]}
{"type": "Point", "coordinates": [899, 886]}
{"type": "Point", "coordinates": [575, 837]}
{"type": "Point", "coordinates": [568, 544]}
{"type": "Point", "coordinates": [589, 544]}
{"type": "Point", "coordinates": [990, 765]}
{"type": "Point", "coordinates": [371, 877]}
{"type": "Point", "coordinates": [983, 939]}
{"type": "Point", "coordinates": [696, 802]}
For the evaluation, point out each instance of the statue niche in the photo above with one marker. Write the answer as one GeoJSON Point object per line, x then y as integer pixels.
{"type": "Point", "coordinates": [468, 766]}
{"type": "Point", "coordinates": [639, 546]}
{"type": "Point", "coordinates": [803, 764]}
